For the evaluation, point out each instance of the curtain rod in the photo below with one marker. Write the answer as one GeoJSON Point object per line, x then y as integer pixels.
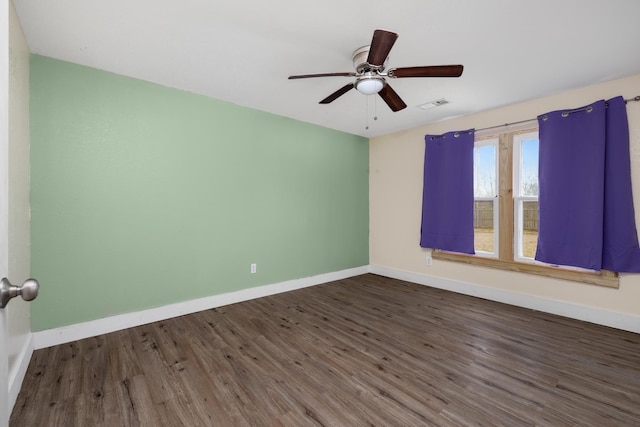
{"type": "Point", "coordinates": [635, 98]}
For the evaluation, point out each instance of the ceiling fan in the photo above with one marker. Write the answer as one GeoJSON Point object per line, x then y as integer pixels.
{"type": "Point", "coordinates": [370, 63]}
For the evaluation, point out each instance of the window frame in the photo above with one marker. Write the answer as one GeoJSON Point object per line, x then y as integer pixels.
{"type": "Point", "coordinates": [506, 259]}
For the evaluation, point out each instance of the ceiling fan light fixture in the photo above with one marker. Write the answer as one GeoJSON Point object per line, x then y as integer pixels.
{"type": "Point", "coordinates": [371, 61]}
{"type": "Point", "coordinates": [369, 85]}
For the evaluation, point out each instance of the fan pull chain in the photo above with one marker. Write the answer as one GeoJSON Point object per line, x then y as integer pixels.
{"type": "Point", "coordinates": [366, 114]}
{"type": "Point", "coordinates": [375, 107]}
{"type": "Point", "coordinates": [375, 110]}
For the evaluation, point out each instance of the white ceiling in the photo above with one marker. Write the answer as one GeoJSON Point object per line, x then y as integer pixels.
{"type": "Point", "coordinates": [243, 51]}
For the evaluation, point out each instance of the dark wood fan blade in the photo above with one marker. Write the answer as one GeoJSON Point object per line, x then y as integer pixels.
{"type": "Point", "coordinates": [392, 99]}
{"type": "Point", "coordinates": [381, 45]}
{"type": "Point", "coordinates": [335, 95]}
{"type": "Point", "coordinates": [429, 71]}
{"type": "Point", "coordinates": [306, 76]}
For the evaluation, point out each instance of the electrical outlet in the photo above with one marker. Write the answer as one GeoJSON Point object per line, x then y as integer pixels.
{"type": "Point", "coordinates": [254, 268]}
{"type": "Point", "coordinates": [428, 260]}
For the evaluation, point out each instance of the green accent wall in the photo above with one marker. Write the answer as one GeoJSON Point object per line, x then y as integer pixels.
{"type": "Point", "coordinates": [143, 195]}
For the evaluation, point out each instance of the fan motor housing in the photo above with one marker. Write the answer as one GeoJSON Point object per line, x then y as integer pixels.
{"type": "Point", "coordinates": [360, 63]}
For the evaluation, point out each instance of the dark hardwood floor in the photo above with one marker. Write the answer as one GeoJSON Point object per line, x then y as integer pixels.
{"type": "Point", "coordinates": [366, 351]}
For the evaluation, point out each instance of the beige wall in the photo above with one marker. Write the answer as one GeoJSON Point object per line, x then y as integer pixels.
{"type": "Point", "coordinates": [396, 163]}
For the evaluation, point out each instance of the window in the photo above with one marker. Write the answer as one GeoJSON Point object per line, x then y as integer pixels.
{"type": "Point", "coordinates": [485, 197]}
{"type": "Point", "coordinates": [525, 196]}
{"type": "Point", "coordinates": [521, 169]}
{"type": "Point", "coordinates": [506, 208]}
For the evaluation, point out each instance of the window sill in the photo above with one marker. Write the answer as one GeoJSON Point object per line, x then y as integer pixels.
{"type": "Point", "coordinates": [605, 278]}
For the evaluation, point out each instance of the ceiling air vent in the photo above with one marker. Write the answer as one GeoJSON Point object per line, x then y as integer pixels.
{"type": "Point", "coordinates": [433, 104]}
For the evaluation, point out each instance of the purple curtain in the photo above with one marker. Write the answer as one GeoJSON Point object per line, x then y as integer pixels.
{"type": "Point", "coordinates": [585, 201]}
{"type": "Point", "coordinates": [620, 251]}
{"type": "Point", "coordinates": [447, 198]}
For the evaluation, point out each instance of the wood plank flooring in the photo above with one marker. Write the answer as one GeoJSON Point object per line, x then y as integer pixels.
{"type": "Point", "coordinates": [365, 351]}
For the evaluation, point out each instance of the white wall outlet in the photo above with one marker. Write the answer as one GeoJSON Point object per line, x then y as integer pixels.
{"type": "Point", "coordinates": [254, 268]}
{"type": "Point", "coordinates": [428, 260]}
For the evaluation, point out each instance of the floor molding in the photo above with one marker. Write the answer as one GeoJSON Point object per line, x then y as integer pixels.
{"type": "Point", "coordinates": [626, 322]}
{"type": "Point", "coordinates": [19, 370]}
{"type": "Point", "coordinates": [65, 334]}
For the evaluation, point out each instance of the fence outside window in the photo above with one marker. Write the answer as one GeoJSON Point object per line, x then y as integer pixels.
{"type": "Point", "coordinates": [483, 215]}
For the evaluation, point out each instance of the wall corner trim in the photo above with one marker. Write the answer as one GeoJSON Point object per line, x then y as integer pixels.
{"type": "Point", "coordinates": [65, 334]}
{"type": "Point", "coordinates": [623, 321]}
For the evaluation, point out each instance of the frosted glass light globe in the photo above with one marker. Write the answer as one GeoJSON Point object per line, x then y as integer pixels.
{"type": "Point", "coordinates": [369, 85]}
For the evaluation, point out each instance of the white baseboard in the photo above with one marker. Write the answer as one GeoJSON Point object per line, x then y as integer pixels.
{"type": "Point", "coordinates": [19, 370]}
{"type": "Point", "coordinates": [65, 334]}
{"type": "Point", "coordinates": [626, 322]}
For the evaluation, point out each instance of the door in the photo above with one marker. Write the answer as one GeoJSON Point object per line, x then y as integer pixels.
{"type": "Point", "coordinates": [14, 202]}
{"type": "Point", "coordinates": [4, 204]}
